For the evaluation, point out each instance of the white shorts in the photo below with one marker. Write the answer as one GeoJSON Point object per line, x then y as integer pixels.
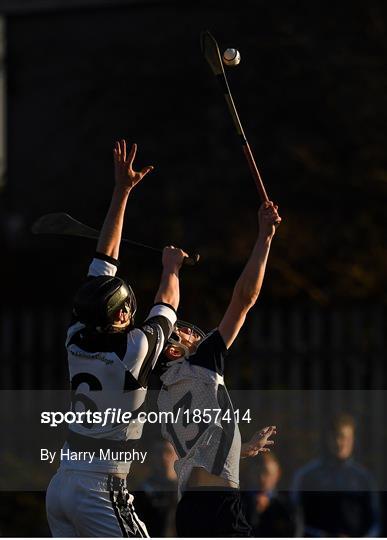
{"type": "Point", "coordinates": [81, 503]}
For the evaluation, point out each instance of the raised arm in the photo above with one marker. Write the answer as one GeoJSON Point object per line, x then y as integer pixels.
{"type": "Point", "coordinates": [125, 180]}
{"type": "Point", "coordinates": [159, 325]}
{"type": "Point", "coordinates": [169, 289]}
{"type": "Point", "coordinates": [248, 286]}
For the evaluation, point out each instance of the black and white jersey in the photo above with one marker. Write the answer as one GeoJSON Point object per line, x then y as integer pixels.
{"type": "Point", "coordinates": [111, 370]}
{"type": "Point", "coordinates": [214, 443]}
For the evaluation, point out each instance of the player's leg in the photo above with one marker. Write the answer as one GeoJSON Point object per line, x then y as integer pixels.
{"type": "Point", "coordinates": [60, 525]}
{"type": "Point", "coordinates": [105, 508]}
{"type": "Point", "coordinates": [231, 519]}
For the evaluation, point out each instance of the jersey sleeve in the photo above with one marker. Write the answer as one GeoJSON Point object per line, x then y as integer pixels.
{"type": "Point", "coordinates": [147, 341]}
{"type": "Point", "coordinates": [103, 265]}
{"type": "Point", "coordinates": [211, 353]}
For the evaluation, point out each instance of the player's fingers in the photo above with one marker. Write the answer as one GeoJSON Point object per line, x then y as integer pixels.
{"type": "Point", "coordinates": [269, 443]}
{"type": "Point", "coordinates": [123, 143]}
{"type": "Point", "coordinates": [264, 206]}
{"type": "Point", "coordinates": [132, 154]}
{"type": "Point", "coordinates": [271, 213]}
{"type": "Point", "coordinates": [118, 148]}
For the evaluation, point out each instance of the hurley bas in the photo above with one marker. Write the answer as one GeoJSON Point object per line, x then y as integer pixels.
{"type": "Point", "coordinates": [103, 455]}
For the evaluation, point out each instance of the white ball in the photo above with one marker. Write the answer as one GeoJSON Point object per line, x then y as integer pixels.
{"type": "Point", "coordinates": [231, 57]}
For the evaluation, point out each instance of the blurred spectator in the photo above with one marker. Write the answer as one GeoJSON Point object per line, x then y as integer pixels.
{"type": "Point", "coordinates": [269, 512]}
{"type": "Point", "coordinates": [335, 495]}
{"type": "Point", "coordinates": [156, 497]}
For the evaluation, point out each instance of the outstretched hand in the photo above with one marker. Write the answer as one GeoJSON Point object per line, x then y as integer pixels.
{"type": "Point", "coordinates": [125, 176]}
{"type": "Point", "coordinates": [269, 218]}
{"type": "Point", "coordinates": [259, 442]}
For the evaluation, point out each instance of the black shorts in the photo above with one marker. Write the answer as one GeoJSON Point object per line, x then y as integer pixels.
{"type": "Point", "coordinates": [206, 512]}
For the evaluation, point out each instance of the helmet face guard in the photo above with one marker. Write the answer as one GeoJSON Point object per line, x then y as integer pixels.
{"type": "Point", "coordinates": [129, 307]}
{"type": "Point", "coordinates": [176, 341]}
{"type": "Point", "coordinates": [98, 300]}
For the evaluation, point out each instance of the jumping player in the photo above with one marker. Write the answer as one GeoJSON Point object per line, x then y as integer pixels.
{"type": "Point", "coordinates": [110, 360]}
{"type": "Point", "coordinates": [209, 450]}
